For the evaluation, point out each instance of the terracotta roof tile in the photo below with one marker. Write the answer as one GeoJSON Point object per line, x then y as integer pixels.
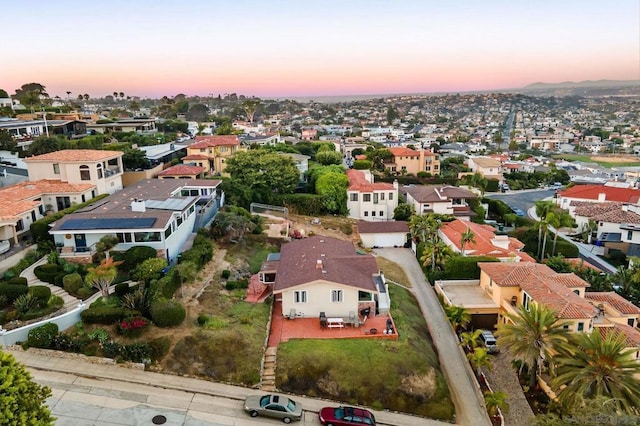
{"type": "Point", "coordinates": [215, 140]}
{"type": "Point", "coordinates": [340, 264]}
{"type": "Point", "coordinates": [358, 182]}
{"type": "Point", "coordinates": [195, 157]}
{"type": "Point", "coordinates": [181, 170]}
{"type": "Point", "coordinates": [631, 335]}
{"type": "Point", "coordinates": [616, 301]}
{"type": "Point", "coordinates": [591, 192]}
{"type": "Point", "coordinates": [74, 155]}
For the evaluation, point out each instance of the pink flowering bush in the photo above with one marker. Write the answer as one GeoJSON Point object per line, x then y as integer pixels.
{"type": "Point", "coordinates": [132, 327]}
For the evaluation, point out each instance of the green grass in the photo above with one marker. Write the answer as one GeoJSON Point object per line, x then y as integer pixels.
{"type": "Point", "coordinates": [588, 159]}
{"type": "Point", "coordinates": [401, 375]}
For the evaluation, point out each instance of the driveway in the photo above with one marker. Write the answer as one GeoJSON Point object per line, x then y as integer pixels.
{"type": "Point", "coordinates": [468, 401]}
{"type": "Point", "coordinates": [523, 199]}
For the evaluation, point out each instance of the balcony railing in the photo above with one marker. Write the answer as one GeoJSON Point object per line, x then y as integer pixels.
{"type": "Point", "coordinates": [70, 251]}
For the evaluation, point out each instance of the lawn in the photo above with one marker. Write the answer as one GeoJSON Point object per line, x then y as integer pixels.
{"type": "Point", "coordinates": [392, 271]}
{"type": "Point", "coordinates": [401, 375]}
{"type": "Point", "coordinates": [598, 160]}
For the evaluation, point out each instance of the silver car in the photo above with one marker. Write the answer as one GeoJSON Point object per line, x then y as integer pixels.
{"type": "Point", "coordinates": [271, 405]}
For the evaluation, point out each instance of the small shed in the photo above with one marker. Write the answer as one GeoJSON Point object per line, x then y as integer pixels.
{"type": "Point", "coordinates": [383, 234]}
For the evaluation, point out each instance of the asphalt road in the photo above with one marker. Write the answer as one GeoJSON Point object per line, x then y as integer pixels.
{"type": "Point", "coordinates": [522, 200]}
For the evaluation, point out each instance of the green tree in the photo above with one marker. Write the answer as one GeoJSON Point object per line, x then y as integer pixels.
{"type": "Point", "coordinates": [598, 367]}
{"type": "Point", "coordinates": [328, 157]}
{"type": "Point", "coordinates": [542, 209]}
{"type": "Point", "coordinates": [6, 141]}
{"type": "Point", "coordinates": [403, 211]}
{"type": "Point", "coordinates": [458, 316]}
{"type": "Point", "coordinates": [497, 139]}
{"type": "Point", "coordinates": [250, 106]}
{"type": "Point", "coordinates": [232, 223]}
{"type": "Point", "coordinates": [392, 114]}
{"type": "Point", "coordinates": [333, 189]}
{"type": "Point", "coordinates": [186, 271]}
{"type": "Point", "coordinates": [3, 93]}
{"type": "Point", "coordinates": [134, 158]}
{"type": "Point", "coordinates": [532, 336]}
{"type": "Point", "coordinates": [596, 411]}
{"type": "Point", "coordinates": [557, 220]}
{"type": "Point", "coordinates": [467, 237]}
{"type": "Point", "coordinates": [470, 339]}
{"type": "Point", "coordinates": [480, 359]}
{"type": "Point", "coordinates": [494, 401]}
{"type": "Point", "coordinates": [513, 145]}
{"type": "Point", "coordinates": [150, 269]}
{"type": "Point", "coordinates": [102, 276]}
{"type": "Point", "coordinates": [199, 113]}
{"type": "Point", "coordinates": [22, 400]}
{"type": "Point", "coordinates": [45, 145]}
{"type": "Point", "coordinates": [31, 94]}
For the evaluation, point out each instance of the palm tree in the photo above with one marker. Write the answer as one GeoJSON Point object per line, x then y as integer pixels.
{"type": "Point", "coordinates": [480, 359]}
{"type": "Point", "coordinates": [542, 209]}
{"type": "Point", "coordinates": [458, 316]}
{"type": "Point", "coordinates": [86, 96]}
{"type": "Point", "coordinates": [467, 237]}
{"type": "Point", "coordinates": [80, 97]}
{"type": "Point", "coordinates": [558, 220]}
{"type": "Point", "coordinates": [68, 93]}
{"type": "Point", "coordinates": [436, 254]}
{"type": "Point", "coordinates": [599, 367]}
{"type": "Point", "coordinates": [494, 401]}
{"type": "Point", "coordinates": [121, 95]}
{"type": "Point", "coordinates": [115, 95]}
{"type": "Point", "coordinates": [103, 275]}
{"type": "Point", "coordinates": [532, 336]}
{"type": "Point", "coordinates": [470, 339]}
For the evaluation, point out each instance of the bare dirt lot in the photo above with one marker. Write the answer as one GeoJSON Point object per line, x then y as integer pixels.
{"type": "Point", "coordinates": [616, 159]}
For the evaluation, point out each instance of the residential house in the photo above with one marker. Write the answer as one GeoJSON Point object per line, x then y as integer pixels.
{"type": "Point", "coordinates": [301, 162]}
{"type": "Point", "coordinates": [182, 171]}
{"type": "Point", "coordinates": [383, 234]}
{"type": "Point", "coordinates": [596, 194]}
{"type": "Point", "coordinates": [162, 214]}
{"type": "Point", "coordinates": [489, 168]}
{"type": "Point", "coordinates": [103, 169]}
{"type": "Point", "coordinates": [442, 199]}
{"type": "Point", "coordinates": [370, 201]}
{"type": "Point", "coordinates": [212, 152]}
{"type": "Point", "coordinates": [137, 125]}
{"type": "Point", "coordinates": [262, 139]}
{"type": "Point", "coordinates": [26, 130]}
{"type": "Point", "coordinates": [410, 161]}
{"type": "Point", "coordinates": [309, 134]}
{"type": "Point", "coordinates": [486, 242]}
{"type": "Point", "coordinates": [325, 275]}
{"type": "Point", "coordinates": [617, 224]}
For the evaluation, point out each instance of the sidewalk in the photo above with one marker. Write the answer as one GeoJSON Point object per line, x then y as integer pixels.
{"type": "Point", "coordinates": [167, 394]}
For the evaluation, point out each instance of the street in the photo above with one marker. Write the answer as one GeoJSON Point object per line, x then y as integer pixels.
{"type": "Point", "coordinates": [524, 199]}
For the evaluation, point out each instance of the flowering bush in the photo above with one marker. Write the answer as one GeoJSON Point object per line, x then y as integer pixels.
{"type": "Point", "coordinates": [132, 327]}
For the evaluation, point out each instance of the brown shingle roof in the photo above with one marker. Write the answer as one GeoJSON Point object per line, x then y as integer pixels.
{"type": "Point", "coordinates": [72, 155]}
{"type": "Point", "coordinates": [436, 193]}
{"type": "Point", "coordinates": [340, 264]}
{"type": "Point", "coordinates": [365, 227]}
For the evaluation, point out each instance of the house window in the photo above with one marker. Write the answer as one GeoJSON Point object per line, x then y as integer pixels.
{"type": "Point", "coordinates": [629, 235]}
{"type": "Point", "coordinates": [526, 300]}
{"type": "Point", "coordinates": [390, 196]}
{"type": "Point", "coordinates": [577, 292]}
{"type": "Point", "coordinates": [167, 232]}
{"type": "Point", "coordinates": [143, 237]}
{"type": "Point", "coordinates": [375, 198]}
{"type": "Point", "coordinates": [85, 174]}
{"type": "Point", "coordinates": [336, 296]}
{"type": "Point", "coordinates": [19, 225]}
{"type": "Point", "coordinates": [354, 197]}
{"type": "Point", "coordinates": [223, 149]}
{"type": "Point", "coordinates": [366, 198]}
{"type": "Point", "coordinates": [56, 168]}
{"type": "Point", "coordinates": [566, 326]}
{"type": "Point", "coordinates": [366, 214]}
{"type": "Point", "coordinates": [300, 296]}
{"type": "Point", "coordinates": [381, 213]}
{"type": "Point", "coordinates": [100, 171]}
{"type": "Point", "coordinates": [580, 326]}
{"type": "Point", "coordinates": [124, 237]}
{"type": "Point", "coordinates": [382, 196]}
{"type": "Point", "coordinates": [373, 213]}
{"type": "Point", "coordinates": [631, 322]}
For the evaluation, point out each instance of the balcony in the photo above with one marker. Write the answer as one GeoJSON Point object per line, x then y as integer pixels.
{"type": "Point", "coordinates": [111, 172]}
{"type": "Point", "coordinates": [69, 252]}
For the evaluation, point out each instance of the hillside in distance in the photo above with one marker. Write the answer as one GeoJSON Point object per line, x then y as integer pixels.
{"type": "Point", "coordinates": [584, 88]}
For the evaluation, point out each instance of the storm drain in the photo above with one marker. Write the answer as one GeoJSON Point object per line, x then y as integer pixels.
{"type": "Point", "coordinates": [159, 420]}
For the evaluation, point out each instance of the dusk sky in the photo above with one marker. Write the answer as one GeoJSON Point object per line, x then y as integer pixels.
{"type": "Point", "coordinates": [287, 48]}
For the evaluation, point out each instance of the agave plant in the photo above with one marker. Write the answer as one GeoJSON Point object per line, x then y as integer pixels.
{"type": "Point", "coordinates": [25, 303]}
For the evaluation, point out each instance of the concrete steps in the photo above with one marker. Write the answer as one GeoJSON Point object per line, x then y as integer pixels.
{"type": "Point", "coordinates": [70, 302]}
{"type": "Point", "coordinates": [268, 376]}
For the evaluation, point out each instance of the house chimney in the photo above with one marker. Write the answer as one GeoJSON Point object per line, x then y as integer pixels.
{"type": "Point", "coordinates": [138, 206]}
{"type": "Point", "coordinates": [319, 264]}
{"type": "Point", "coordinates": [602, 197]}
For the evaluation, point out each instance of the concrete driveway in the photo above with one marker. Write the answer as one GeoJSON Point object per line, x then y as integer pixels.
{"type": "Point", "coordinates": [465, 394]}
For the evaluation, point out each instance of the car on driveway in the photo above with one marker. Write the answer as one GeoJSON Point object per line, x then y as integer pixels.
{"type": "Point", "coordinates": [346, 416]}
{"type": "Point", "coordinates": [272, 405]}
{"type": "Point", "coordinates": [489, 342]}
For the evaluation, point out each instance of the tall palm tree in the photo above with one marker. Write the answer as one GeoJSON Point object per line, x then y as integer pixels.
{"type": "Point", "coordinates": [458, 316]}
{"type": "Point", "coordinates": [115, 95]}
{"type": "Point", "coordinates": [532, 336]}
{"type": "Point", "coordinates": [68, 93]}
{"type": "Point", "coordinates": [436, 254]}
{"type": "Point", "coordinates": [480, 359]}
{"type": "Point", "coordinates": [561, 219]}
{"type": "Point", "coordinates": [542, 209]}
{"type": "Point", "coordinates": [599, 367]}
{"type": "Point", "coordinates": [467, 237]}
{"type": "Point", "coordinates": [121, 95]}
{"type": "Point", "coordinates": [86, 96]}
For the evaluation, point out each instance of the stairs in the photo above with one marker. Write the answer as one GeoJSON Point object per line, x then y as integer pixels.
{"type": "Point", "coordinates": [70, 302]}
{"type": "Point", "coordinates": [268, 379]}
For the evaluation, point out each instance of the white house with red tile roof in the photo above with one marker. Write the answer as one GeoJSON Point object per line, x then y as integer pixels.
{"type": "Point", "coordinates": [596, 194]}
{"type": "Point", "coordinates": [103, 169]}
{"type": "Point", "coordinates": [368, 200]}
{"type": "Point", "coordinates": [323, 274]}
{"type": "Point", "coordinates": [487, 243]}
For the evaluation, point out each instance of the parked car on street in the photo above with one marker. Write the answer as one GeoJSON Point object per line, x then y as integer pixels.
{"type": "Point", "coordinates": [346, 416]}
{"type": "Point", "coordinates": [271, 405]}
{"type": "Point", "coordinates": [489, 342]}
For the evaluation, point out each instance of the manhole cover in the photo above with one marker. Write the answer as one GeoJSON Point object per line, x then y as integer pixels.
{"type": "Point", "coordinates": [159, 420]}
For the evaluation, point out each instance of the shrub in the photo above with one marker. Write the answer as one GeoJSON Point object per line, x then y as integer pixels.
{"type": "Point", "coordinates": [12, 292]}
{"type": "Point", "coordinates": [136, 352]}
{"type": "Point", "coordinates": [17, 281]}
{"type": "Point", "coordinates": [72, 283]}
{"type": "Point", "coordinates": [41, 292]}
{"type": "Point", "coordinates": [85, 292]}
{"type": "Point", "coordinates": [167, 313]}
{"type": "Point", "coordinates": [121, 289]}
{"type": "Point", "coordinates": [67, 343]}
{"type": "Point", "coordinates": [362, 165]}
{"type": "Point", "coordinates": [47, 272]}
{"type": "Point", "coordinates": [110, 349]}
{"type": "Point", "coordinates": [104, 314]}
{"type": "Point", "coordinates": [25, 303]}
{"type": "Point", "coordinates": [136, 255]}
{"type": "Point", "coordinates": [132, 327]}
{"type": "Point", "coordinates": [226, 274]}
{"type": "Point", "coordinates": [465, 268]}
{"type": "Point", "coordinates": [159, 348]}
{"type": "Point", "coordinates": [240, 284]}
{"type": "Point", "coordinates": [42, 337]}
{"type": "Point", "coordinates": [203, 319]}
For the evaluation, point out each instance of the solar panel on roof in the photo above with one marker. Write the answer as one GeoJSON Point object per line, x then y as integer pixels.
{"type": "Point", "coordinates": [108, 223]}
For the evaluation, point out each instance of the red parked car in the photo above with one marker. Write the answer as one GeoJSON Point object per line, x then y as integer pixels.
{"type": "Point", "coordinates": [346, 416]}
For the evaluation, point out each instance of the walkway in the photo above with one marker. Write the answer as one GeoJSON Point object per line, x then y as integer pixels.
{"type": "Point", "coordinates": [465, 394]}
{"type": "Point", "coordinates": [96, 394]}
{"type": "Point", "coordinates": [70, 302]}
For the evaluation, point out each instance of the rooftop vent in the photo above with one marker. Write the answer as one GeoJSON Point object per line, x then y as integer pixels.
{"type": "Point", "coordinates": [319, 264]}
{"type": "Point", "coordinates": [138, 206]}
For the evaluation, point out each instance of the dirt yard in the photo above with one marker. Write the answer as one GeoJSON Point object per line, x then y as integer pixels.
{"type": "Point", "coordinates": [616, 159]}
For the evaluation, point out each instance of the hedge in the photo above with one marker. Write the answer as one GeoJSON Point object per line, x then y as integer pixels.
{"type": "Point", "coordinates": [136, 255]}
{"type": "Point", "coordinates": [232, 285]}
{"type": "Point", "coordinates": [303, 204]}
{"type": "Point", "coordinates": [47, 272]}
{"type": "Point", "coordinates": [40, 228]}
{"type": "Point", "coordinates": [42, 337]}
{"type": "Point", "coordinates": [167, 313]}
{"type": "Point", "coordinates": [13, 291]}
{"type": "Point", "coordinates": [465, 267]}
{"type": "Point", "coordinates": [105, 314]}
{"type": "Point", "coordinates": [492, 185]}
{"type": "Point", "coordinates": [17, 281]}
{"type": "Point", "coordinates": [41, 292]}
{"type": "Point", "coordinates": [72, 283]}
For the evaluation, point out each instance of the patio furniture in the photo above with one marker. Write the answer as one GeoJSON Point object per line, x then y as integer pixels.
{"type": "Point", "coordinates": [323, 320]}
{"type": "Point", "coordinates": [335, 322]}
{"type": "Point", "coordinates": [353, 319]}
{"type": "Point", "coordinates": [292, 314]}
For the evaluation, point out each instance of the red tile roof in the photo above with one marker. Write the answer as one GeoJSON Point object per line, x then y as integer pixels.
{"type": "Point", "coordinates": [591, 192]}
{"type": "Point", "coordinates": [606, 212]}
{"type": "Point", "coordinates": [484, 236]}
{"type": "Point", "coordinates": [74, 155]}
{"type": "Point", "coordinates": [358, 182]}
{"type": "Point", "coordinates": [631, 335]}
{"type": "Point", "coordinates": [216, 140]}
{"type": "Point", "coordinates": [408, 152]}
{"type": "Point", "coordinates": [614, 300]}
{"type": "Point", "coordinates": [195, 157]}
{"type": "Point", "coordinates": [182, 170]}
{"type": "Point", "coordinates": [339, 261]}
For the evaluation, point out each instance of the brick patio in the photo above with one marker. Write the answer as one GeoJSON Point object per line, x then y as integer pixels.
{"type": "Point", "coordinates": [283, 329]}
